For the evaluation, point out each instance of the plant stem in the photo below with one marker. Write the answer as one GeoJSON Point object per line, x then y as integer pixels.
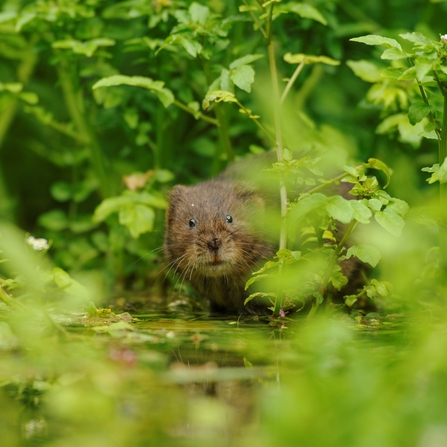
{"type": "Point", "coordinates": [193, 112]}
{"type": "Point", "coordinates": [443, 194]}
{"type": "Point", "coordinates": [292, 80]}
{"type": "Point", "coordinates": [76, 109]}
{"type": "Point", "coordinates": [279, 145]}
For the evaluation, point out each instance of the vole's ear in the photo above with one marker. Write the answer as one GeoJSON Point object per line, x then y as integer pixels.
{"type": "Point", "coordinates": [177, 193]}
{"type": "Point", "coordinates": [250, 195]}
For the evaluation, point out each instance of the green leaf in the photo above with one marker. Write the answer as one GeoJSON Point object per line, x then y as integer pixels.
{"type": "Point", "coordinates": [442, 172]}
{"type": "Point", "coordinates": [340, 209]}
{"type": "Point", "coordinates": [243, 76]}
{"type": "Point", "coordinates": [393, 54]}
{"type": "Point", "coordinates": [308, 59]}
{"type": "Point", "coordinates": [361, 211]}
{"type": "Point", "coordinates": [308, 204]}
{"type": "Point", "coordinates": [418, 111]}
{"type": "Point", "coordinates": [373, 39]}
{"type": "Point", "coordinates": [366, 253]}
{"type": "Point", "coordinates": [164, 95]}
{"type": "Point", "coordinates": [416, 38]}
{"type": "Point", "coordinates": [338, 280]}
{"type": "Point", "coordinates": [374, 163]}
{"type": "Point", "coordinates": [61, 191]}
{"type": "Point", "coordinates": [399, 206]}
{"type": "Point", "coordinates": [138, 219]}
{"type": "Point", "coordinates": [64, 281]}
{"type": "Point", "coordinates": [198, 13]}
{"type": "Point", "coordinates": [307, 11]}
{"type": "Point", "coordinates": [365, 70]}
{"type": "Point", "coordinates": [115, 204]}
{"type": "Point", "coordinates": [390, 220]}
{"type": "Point", "coordinates": [55, 220]}
{"type": "Point", "coordinates": [246, 60]}
{"type": "Point", "coordinates": [86, 48]}
{"type": "Point", "coordinates": [218, 96]}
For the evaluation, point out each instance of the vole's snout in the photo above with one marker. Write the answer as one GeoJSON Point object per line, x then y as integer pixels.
{"type": "Point", "coordinates": [214, 244]}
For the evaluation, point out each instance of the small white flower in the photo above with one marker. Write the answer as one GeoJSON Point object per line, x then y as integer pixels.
{"type": "Point", "coordinates": [38, 244]}
{"type": "Point", "coordinates": [444, 38]}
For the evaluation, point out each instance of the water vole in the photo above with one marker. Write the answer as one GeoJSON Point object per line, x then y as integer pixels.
{"type": "Point", "coordinates": [213, 240]}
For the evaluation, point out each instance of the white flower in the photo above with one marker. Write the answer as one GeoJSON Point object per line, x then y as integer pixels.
{"type": "Point", "coordinates": [444, 38]}
{"type": "Point", "coordinates": [38, 244]}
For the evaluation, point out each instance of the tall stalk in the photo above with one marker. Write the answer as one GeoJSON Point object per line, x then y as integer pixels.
{"type": "Point", "coordinates": [443, 192]}
{"type": "Point", "coordinates": [279, 143]}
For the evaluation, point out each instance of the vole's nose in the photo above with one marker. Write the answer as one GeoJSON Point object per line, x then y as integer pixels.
{"type": "Point", "coordinates": [214, 244]}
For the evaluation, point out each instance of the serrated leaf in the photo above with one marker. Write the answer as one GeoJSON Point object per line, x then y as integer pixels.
{"type": "Point", "coordinates": [418, 111]}
{"type": "Point", "coordinates": [340, 209]}
{"type": "Point", "coordinates": [366, 253]}
{"type": "Point", "coordinates": [373, 39]}
{"type": "Point", "coordinates": [390, 220]}
{"type": "Point", "coordinates": [243, 76]}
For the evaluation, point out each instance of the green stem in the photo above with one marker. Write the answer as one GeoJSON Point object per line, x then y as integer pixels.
{"type": "Point", "coordinates": [443, 194]}
{"type": "Point", "coordinates": [264, 130]}
{"type": "Point", "coordinates": [279, 146]}
{"type": "Point", "coordinates": [292, 80]}
{"type": "Point", "coordinates": [193, 112]}
{"type": "Point", "coordinates": [75, 105]}
{"type": "Point", "coordinates": [332, 262]}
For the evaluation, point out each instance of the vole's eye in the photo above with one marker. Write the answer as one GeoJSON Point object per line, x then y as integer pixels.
{"type": "Point", "coordinates": [192, 223]}
{"type": "Point", "coordinates": [229, 219]}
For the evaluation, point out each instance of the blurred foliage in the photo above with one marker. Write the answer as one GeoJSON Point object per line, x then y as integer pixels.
{"type": "Point", "coordinates": [103, 106]}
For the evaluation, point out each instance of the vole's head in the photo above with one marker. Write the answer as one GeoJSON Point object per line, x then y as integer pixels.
{"type": "Point", "coordinates": [210, 229]}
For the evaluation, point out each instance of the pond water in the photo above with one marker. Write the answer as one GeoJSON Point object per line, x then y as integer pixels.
{"type": "Point", "coordinates": [188, 379]}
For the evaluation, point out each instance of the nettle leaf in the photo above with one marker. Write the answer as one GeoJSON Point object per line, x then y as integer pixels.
{"type": "Point", "coordinates": [390, 220]}
{"type": "Point", "coordinates": [308, 59]}
{"type": "Point", "coordinates": [366, 253]}
{"type": "Point", "coordinates": [365, 70]}
{"type": "Point", "coordinates": [340, 209]}
{"type": "Point", "coordinates": [164, 95]}
{"type": "Point", "coordinates": [243, 77]}
{"type": "Point", "coordinates": [373, 39]}
{"type": "Point", "coordinates": [418, 111]}
{"type": "Point", "coordinates": [138, 219]}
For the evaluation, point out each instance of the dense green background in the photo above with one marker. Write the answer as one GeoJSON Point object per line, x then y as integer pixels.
{"type": "Point", "coordinates": [62, 155]}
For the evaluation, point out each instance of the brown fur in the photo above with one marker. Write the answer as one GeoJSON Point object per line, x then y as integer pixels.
{"type": "Point", "coordinates": [216, 256]}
